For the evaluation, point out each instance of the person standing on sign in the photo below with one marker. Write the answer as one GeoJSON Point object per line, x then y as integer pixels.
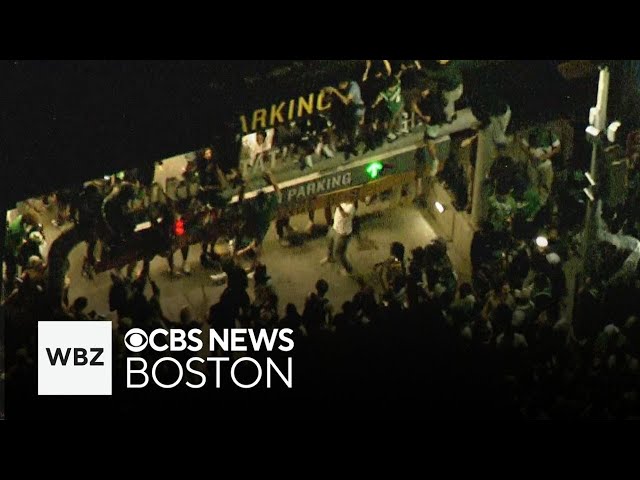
{"type": "Point", "coordinates": [340, 233]}
{"type": "Point", "coordinates": [349, 113]}
{"type": "Point", "coordinates": [391, 95]}
{"type": "Point", "coordinates": [448, 76]}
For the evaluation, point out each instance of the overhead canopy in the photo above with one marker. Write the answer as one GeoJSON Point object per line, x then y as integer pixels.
{"type": "Point", "coordinates": [64, 122]}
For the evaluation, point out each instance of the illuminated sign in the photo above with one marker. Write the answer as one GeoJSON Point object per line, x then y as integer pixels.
{"type": "Point", "coordinates": [285, 111]}
{"type": "Point", "coordinates": [317, 187]}
{"type": "Point", "coordinates": [374, 169]}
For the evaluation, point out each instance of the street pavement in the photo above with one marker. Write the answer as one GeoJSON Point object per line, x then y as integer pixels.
{"type": "Point", "coordinates": [294, 270]}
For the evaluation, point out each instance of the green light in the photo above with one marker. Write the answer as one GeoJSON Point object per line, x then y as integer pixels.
{"type": "Point", "coordinates": [373, 169]}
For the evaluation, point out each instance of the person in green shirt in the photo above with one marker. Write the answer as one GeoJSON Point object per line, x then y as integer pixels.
{"type": "Point", "coordinates": [258, 220]}
{"type": "Point", "coordinates": [394, 105]}
{"type": "Point", "coordinates": [17, 232]}
{"type": "Point", "coordinates": [502, 208]}
{"type": "Point", "coordinates": [265, 210]}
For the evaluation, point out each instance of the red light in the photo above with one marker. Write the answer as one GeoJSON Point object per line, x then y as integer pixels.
{"type": "Point", "coordinates": [179, 227]}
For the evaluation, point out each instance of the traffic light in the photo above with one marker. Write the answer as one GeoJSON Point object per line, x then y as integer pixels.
{"type": "Point", "coordinates": [178, 228]}
{"type": "Point", "coordinates": [373, 169]}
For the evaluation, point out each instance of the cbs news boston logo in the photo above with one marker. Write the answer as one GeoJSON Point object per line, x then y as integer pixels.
{"type": "Point", "coordinates": [74, 358]}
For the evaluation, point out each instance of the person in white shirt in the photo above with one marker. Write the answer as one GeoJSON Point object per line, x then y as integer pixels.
{"type": "Point", "coordinates": [258, 149]}
{"type": "Point", "coordinates": [340, 233]}
{"type": "Point", "coordinates": [542, 145]}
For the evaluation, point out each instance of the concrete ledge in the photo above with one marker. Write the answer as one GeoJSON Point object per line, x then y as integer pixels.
{"type": "Point", "coordinates": [454, 226]}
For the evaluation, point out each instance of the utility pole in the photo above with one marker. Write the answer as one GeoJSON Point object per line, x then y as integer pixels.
{"type": "Point", "coordinates": [596, 133]}
{"type": "Point", "coordinates": [484, 159]}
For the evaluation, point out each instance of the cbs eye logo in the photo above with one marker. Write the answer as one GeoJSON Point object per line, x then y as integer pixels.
{"type": "Point", "coordinates": [161, 340]}
{"type": "Point", "coordinates": [136, 340]}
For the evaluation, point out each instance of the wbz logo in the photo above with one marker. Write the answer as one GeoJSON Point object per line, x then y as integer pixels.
{"type": "Point", "coordinates": [74, 358]}
{"type": "Point", "coordinates": [79, 356]}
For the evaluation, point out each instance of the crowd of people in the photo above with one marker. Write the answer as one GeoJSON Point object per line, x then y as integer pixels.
{"type": "Point", "coordinates": [500, 344]}
{"type": "Point", "coordinates": [500, 341]}
{"type": "Point", "coordinates": [367, 109]}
